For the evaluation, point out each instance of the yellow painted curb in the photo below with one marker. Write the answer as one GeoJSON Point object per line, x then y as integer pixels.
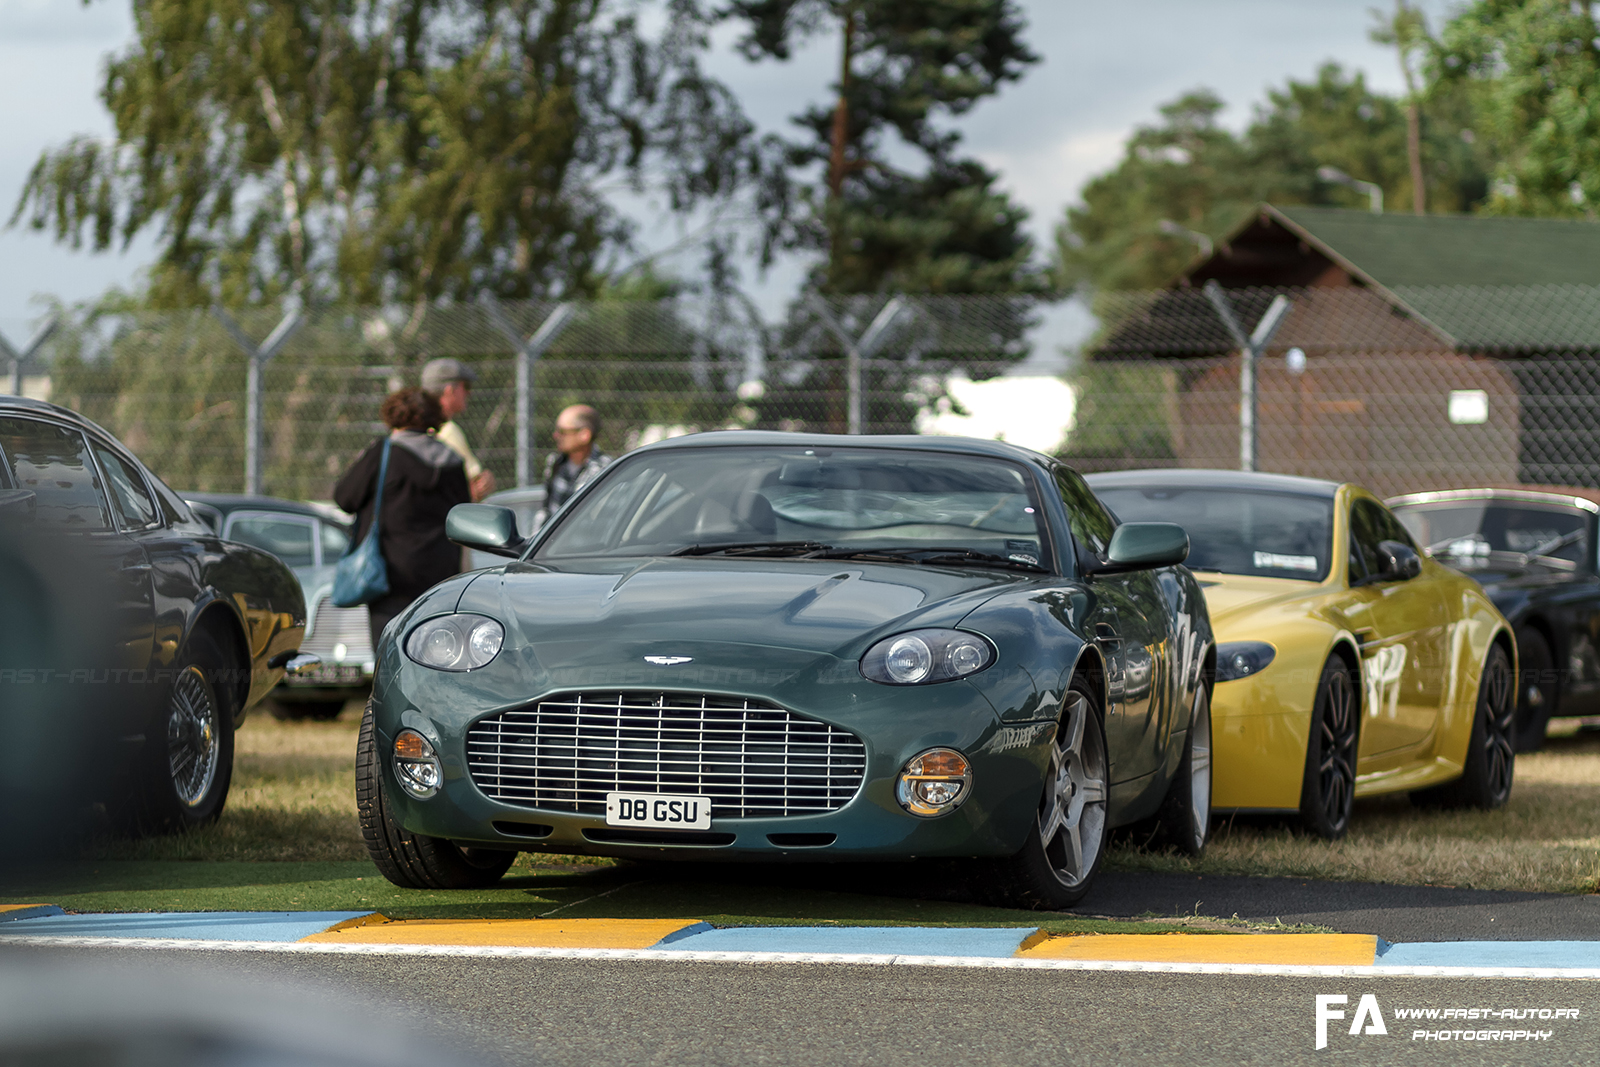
{"type": "Point", "coordinates": [502, 933]}
{"type": "Point", "coordinates": [21, 907]}
{"type": "Point", "coordinates": [1359, 950]}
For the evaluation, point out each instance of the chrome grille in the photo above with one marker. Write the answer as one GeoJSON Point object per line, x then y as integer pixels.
{"type": "Point", "coordinates": [751, 758]}
{"type": "Point", "coordinates": [332, 626]}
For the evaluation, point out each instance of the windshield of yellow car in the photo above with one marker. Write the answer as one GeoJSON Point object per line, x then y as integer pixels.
{"type": "Point", "coordinates": [920, 507]}
{"type": "Point", "coordinates": [1237, 531]}
{"type": "Point", "coordinates": [1465, 530]}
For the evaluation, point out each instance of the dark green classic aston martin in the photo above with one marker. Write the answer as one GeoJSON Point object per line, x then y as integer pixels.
{"type": "Point", "coordinates": [776, 646]}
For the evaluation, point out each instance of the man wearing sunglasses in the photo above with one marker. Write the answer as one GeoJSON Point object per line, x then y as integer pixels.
{"type": "Point", "coordinates": [575, 461]}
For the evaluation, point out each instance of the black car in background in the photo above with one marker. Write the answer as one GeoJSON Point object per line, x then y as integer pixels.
{"type": "Point", "coordinates": [1534, 551]}
{"type": "Point", "coordinates": [310, 539]}
{"type": "Point", "coordinates": [133, 639]}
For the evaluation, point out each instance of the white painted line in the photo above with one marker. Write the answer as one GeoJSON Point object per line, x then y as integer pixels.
{"type": "Point", "coordinates": [506, 952]}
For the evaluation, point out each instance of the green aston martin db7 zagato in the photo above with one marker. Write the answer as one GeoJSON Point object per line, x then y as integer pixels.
{"type": "Point", "coordinates": [765, 646]}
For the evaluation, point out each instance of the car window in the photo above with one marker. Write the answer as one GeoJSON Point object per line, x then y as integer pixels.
{"type": "Point", "coordinates": [129, 499]}
{"type": "Point", "coordinates": [1463, 529]}
{"type": "Point", "coordinates": [1370, 524]}
{"type": "Point", "coordinates": [1092, 526]}
{"type": "Point", "coordinates": [1237, 531]}
{"type": "Point", "coordinates": [849, 498]}
{"type": "Point", "coordinates": [53, 461]}
{"type": "Point", "coordinates": [286, 537]}
{"type": "Point", "coordinates": [335, 542]}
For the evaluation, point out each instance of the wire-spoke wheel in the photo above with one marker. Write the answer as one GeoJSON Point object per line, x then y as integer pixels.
{"type": "Point", "coordinates": [187, 757]}
{"type": "Point", "coordinates": [193, 736]}
{"type": "Point", "coordinates": [1327, 793]}
{"type": "Point", "coordinates": [1058, 862]}
{"type": "Point", "coordinates": [1490, 763]}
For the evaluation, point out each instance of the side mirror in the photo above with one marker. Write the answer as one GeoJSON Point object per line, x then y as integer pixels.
{"type": "Point", "coordinates": [17, 505]}
{"type": "Point", "coordinates": [485, 527]}
{"type": "Point", "coordinates": [1143, 546]}
{"type": "Point", "coordinates": [1397, 561]}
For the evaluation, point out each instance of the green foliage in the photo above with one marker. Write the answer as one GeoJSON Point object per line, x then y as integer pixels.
{"type": "Point", "coordinates": [1191, 170]}
{"type": "Point", "coordinates": [389, 150]}
{"type": "Point", "coordinates": [1120, 419]}
{"type": "Point", "coordinates": [905, 66]}
{"type": "Point", "coordinates": [1532, 69]}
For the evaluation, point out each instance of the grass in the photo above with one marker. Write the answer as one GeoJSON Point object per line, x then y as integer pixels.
{"type": "Point", "coordinates": [1547, 838]}
{"type": "Point", "coordinates": [289, 840]}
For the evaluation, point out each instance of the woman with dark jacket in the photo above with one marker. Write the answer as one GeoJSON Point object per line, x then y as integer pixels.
{"type": "Point", "coordinates": [426, 479]}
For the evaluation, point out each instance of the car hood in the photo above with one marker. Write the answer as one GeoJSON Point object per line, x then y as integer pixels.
{"type": "Point", "coordinates": [1232, 596]}
{"type": "Point", "coordinates": [600, 611]}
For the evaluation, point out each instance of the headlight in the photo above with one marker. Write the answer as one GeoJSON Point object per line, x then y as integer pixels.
{"type": "Point", "coordinates": [416, 765]}
{"type": "Point", "coordinates": [456, 642]}
{"type": "Point", "coordinates": [923, 656]}
{"type": "Point", "coordinates": [934, 782]}
{"type": "Point", "coordinates": [1240, 659]}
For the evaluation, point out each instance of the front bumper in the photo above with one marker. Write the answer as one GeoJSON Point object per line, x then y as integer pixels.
{"type": "Point", "coordinates": [894, 723]}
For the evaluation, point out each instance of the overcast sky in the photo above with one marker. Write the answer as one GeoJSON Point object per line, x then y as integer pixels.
{"type": "Point", "coordinates": [1105, 68]}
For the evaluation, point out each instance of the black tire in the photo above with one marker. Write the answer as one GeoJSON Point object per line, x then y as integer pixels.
{"type": "Point", "coordinates": [1057, 864]}
{"type": "Point", "coordinates": [1328, 790]}
{"type": "Point", "coordinates": [1490, 765]}
{"type": "Point", "coordinates": [188, 750]}
{"type": "Point", "coordinates": [1537, 688]}
{"type": "Point", "coordinates": [1185, 815]}
{"type": "Point", "coordinates": [413, 861]}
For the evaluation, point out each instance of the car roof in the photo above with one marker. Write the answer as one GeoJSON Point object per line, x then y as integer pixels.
{"type": "Point", "coordinates": [972, 446]}
{"type": "Point", "coordinates": [231, 502]}
{"type": "Point", "coordinates": [1213, 479]}
{"type": "Point", "coordinates": [29, 406]}
{"type": "Point", "coordinates": [1576, 497]}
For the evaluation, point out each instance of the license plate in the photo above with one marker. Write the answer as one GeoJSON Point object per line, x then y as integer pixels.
{"type": "Point", "coordinates": [332, 675]}
{"type": "Point", "coordinates": [658, 811]}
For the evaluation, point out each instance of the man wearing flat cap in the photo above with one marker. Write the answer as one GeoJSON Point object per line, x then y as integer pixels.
{"type": "Point", "coordinates": [451, 381]}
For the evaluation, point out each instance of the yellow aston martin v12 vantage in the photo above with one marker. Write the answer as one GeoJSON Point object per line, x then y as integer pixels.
{"type": "Point", "coordinates": [1348, 663]}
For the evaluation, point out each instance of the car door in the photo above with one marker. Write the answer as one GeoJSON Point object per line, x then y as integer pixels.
{"type": "Point", "coordinates": [111, 573]}
{"type": "Point", "coordinates": [1127, 622]}
{"type": "Point", "coordinates": [1401, 625]}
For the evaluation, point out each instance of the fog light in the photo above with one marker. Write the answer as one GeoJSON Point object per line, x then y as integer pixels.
{"type": "Point", "coordinates": [416, 765]}
{"type": "Point", "coordinates": [934, 782]}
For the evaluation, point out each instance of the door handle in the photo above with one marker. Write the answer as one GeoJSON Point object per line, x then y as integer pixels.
{"type": "Point", "coordinates": [136, 568]}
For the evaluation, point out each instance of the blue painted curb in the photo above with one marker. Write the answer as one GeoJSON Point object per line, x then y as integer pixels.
{"type": "Point", "coordinates": [1492, 954]}
{"type": "Point", "coordinates": [864, 940]}
{"type": "Point", "coordinates": [40, 912]}
{"type": "Point", "coordinates": [186, 926]}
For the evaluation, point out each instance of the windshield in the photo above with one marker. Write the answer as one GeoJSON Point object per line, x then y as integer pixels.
{"type": "Point", "coordinates": [1237, 531]}
{"type": "Point", "coordinates": [1466, 529]}
{"type": "Point", "coordinates": [804, 501]}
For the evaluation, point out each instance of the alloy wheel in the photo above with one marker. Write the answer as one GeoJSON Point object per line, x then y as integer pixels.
{"type": "Point", "coordinates": [1500, 711]}
{"type": "Point", "coordinates": [1336, 766]}
{"type": "Point", "coordinates": [192, 737]}
{"type": "Point", "coordinates": [1072, 818]}
{"type": "Point", "coordinates": [1200, 769]}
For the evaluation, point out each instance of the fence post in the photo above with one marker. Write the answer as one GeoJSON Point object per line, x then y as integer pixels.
{"type": "Point", "coordinates": [257, 357]}
{"type": "Point", "coordinates": [856, 350]}
{"type": "Point", "coordinates": [20, 357]}
{"type": "Point", "coordinates": [527, 352]}
{"type": "Point", "coordinates": [1250, 349]}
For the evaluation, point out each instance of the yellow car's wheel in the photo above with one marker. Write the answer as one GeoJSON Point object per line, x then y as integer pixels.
{"type": "Point", "coordinates": [1490, 765]}
{"type": "Point", "coordinates": [1327, 794]}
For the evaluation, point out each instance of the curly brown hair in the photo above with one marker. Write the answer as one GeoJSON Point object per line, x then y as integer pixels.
{"type": "Point", "coordinates": [412, 409]}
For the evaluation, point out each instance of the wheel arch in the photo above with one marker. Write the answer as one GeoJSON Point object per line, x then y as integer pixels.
{"type": "Point", "coordinates": [1092, 668]}
{"type": "Point", "coordinates": [218, 621]}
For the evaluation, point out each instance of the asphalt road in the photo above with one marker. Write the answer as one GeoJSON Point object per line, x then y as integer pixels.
{"type": "Point", "coordinates": [586, 1013]}
{"type": "Point", "coordinates": [1393, 912]}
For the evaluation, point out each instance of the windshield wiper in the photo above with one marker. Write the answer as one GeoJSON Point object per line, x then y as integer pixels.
{"type": "Point", "coordinates": [1550, 546]}
{"type": "Point", "coordinates": [936, 555]}
{"type": "Point", "coordinates": [753, 548]}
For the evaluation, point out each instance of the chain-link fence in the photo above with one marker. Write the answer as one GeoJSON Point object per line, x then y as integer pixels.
{"type": "Point", "coordinates": [1399, 390]}
{"type": "Point", "coordinates": [175, 387]}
